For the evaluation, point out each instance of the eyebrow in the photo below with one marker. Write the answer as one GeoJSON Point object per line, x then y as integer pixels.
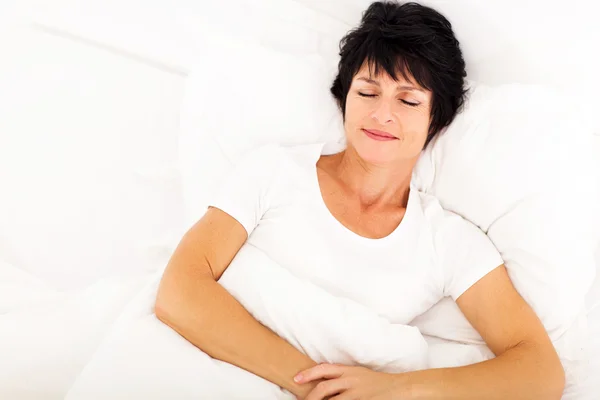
{"type": "Point", "coordinates": [404, 87]}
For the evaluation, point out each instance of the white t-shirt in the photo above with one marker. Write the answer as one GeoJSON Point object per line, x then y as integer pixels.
{"type": "Point", "coordinates": [274, 193]}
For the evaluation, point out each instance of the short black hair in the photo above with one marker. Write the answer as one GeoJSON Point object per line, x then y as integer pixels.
{"type": "Point", "coordinates": [412, 40]}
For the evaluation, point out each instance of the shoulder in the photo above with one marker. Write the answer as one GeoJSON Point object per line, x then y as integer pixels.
{"type": "Point", "coordinates": [464, 252]}
{"type": "Point", "coordinates": [449, 230]}
{"type": "Point", "coordinates": [270, 170]}
{"type": "Point", "coordinates": [259, 181]}
{"type": "Point", "coordinates": [437, 217]}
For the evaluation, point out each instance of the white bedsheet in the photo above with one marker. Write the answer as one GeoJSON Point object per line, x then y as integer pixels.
{"type": "Point", "coordinates": [47, 344]}
{"type": "Point", "coordinates": [590, 386]}
{"type": "Point", "coordinates": [47, 338]}
{"type": "Point", "coordinates": [142, 358]}
{"type": "Point", "coordinates": [590, 389]}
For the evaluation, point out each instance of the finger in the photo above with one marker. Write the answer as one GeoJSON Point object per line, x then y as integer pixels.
{"type": "Point", "coordinates": [345, 395]}
{"type": "Point", "coordinates": [328, 388]}
{"type": "Point", "coordinates": [321, 371]}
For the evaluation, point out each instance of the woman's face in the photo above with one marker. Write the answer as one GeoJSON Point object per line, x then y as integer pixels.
{"type": "Point", "coordinates": [386, 121]}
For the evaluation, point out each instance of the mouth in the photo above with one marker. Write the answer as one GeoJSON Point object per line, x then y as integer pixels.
{"type": "Point", "coordinates": [379, 135]}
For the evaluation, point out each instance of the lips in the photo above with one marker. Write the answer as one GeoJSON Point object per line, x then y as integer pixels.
{"type": "Point", "coordinates": [379, 135]}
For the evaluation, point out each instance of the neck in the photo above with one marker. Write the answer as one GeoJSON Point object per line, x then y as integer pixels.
{"type": "Point", "coordinates": [375, 185]}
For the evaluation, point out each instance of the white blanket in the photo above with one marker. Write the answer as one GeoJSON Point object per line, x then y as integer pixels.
{"type": "Point", "coordinates": [326, 328]}
{"type": "Point", "coordinates": [143, 358]}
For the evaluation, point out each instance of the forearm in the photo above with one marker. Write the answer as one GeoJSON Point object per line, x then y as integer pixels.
{"type": "Point", "coordinates": [214, 321]}
{"type": "Point", "coordinates": [523, 372]}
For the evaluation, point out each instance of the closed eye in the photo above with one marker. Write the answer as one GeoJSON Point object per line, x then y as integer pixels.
{"type": "Point", "coordinates": [408, 103]}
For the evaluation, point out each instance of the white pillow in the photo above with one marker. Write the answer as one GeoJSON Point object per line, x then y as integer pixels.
{"type": "Point", "coordinates": [233, 104]}
{"type": "Point", "coordinates": [505, 152]}
{"type": "Point", "coordinates": [517, 163]}
{"type": "Point", "coordinates": [86, 166]}
{"type": "Point", "coordinates": [19, 289]}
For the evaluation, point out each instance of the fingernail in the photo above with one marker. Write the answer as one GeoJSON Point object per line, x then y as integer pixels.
{"type": "Point", "coordinates": [298, 378]}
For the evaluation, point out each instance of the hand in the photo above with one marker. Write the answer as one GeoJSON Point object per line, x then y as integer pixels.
{"type": "Point", "coordinates": [340, 382]}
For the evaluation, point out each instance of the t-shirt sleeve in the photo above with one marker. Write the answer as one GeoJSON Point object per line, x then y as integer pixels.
{"type": "Point", "coordinates": [245, 193]}
{"type": "Point", "coordinates": [466, 254]}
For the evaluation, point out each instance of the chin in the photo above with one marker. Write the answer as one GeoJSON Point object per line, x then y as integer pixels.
{"type": "Point", "coordinates": [375, 152]}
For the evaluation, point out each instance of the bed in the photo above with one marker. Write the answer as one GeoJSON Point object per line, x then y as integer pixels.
{"type": "Point", "coordinates": [103, 85]}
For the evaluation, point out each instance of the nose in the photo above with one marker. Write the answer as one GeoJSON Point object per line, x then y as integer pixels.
{"type": "Point", "coordinates": [383, 112]}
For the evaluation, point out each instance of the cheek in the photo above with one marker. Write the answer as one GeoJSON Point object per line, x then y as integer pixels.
{"type": "Point", "coordinates": [355, 115]}
{"type": "Point", "coordinates": [417, 123]}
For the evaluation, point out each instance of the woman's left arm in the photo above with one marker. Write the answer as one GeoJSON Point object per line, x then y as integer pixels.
{"type": "Point", "coordinates": [526, 364]}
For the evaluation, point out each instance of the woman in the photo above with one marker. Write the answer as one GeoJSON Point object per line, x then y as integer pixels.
{"type": "Point", "coordinates": [400, 82]}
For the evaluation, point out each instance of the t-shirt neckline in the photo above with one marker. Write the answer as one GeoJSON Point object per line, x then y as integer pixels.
{"type": "Point", "coordinates": [407, 219]}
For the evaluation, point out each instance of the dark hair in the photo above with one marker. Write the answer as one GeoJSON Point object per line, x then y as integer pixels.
{"type": "Point", "coordinates": [412, 40]}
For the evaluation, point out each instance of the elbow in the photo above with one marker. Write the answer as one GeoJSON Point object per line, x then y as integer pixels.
{"type": "Point", "coordinates": [552, 384]}
{"type": "Point", "coordinates": [162, 310]}
{"type": "Point", "coordinates": [167, 312]}
{"type": "Point", "coordinates": [546, 376]}
{"type": "Point", "coordinates": [167, 307]}
{"type": "Point", "coordinates": [169, 299]}
{"type": "Point", "coordinates": [177, 310]}
{"type": "Point", "coordinates": [557, 382]}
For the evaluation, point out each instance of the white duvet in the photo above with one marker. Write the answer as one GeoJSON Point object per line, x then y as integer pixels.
{"type": "Point", "coordinates": [67, 343]}
{"type": "Point", "coordinates": [143, 358]}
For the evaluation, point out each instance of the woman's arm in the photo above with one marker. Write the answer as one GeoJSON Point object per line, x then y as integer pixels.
{"type": "Point", "coordinates": [526, 367]}
{"type": "Point", "coordinates": [191, 301]}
